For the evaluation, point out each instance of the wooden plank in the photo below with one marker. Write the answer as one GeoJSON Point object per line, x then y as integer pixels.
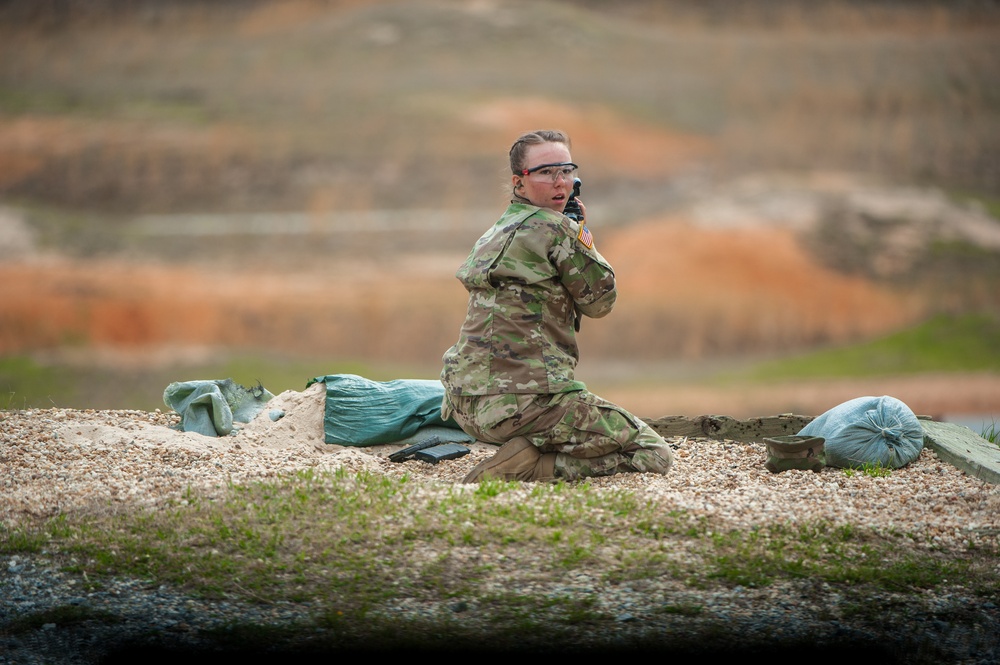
{"type": "Point", "coordinates": [955, 444]}
{"type": "Point", "coordinates": [726, 427]}
{"type": "Point", "coordinates": [963, 448]}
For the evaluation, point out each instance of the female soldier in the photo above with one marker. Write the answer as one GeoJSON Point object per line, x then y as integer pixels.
{"type": "Point", "coordinates": [509, 378]}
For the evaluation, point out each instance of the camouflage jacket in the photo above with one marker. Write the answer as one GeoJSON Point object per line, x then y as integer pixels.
{"type": "Point", "coordinates": [527, 278]}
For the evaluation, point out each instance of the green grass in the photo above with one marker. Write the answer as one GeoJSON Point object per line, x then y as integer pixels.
{"type": "Point", "coordinates": [63, 616]}
{"type": "Point", "coordinates": [872, 470]}
{"type": "Point", "coordinates": [351, 547]}
{"type": "Point", "coordinates": [29, 383]}
{"type": "Point", "coordinates": [353, 542]}
{"type": "Point", "coordinates": [24, 383]}
{"type": "Point", "coordinates": [944, 343]}
{"type": "Point", "coordinates": [991, 204]}
{"type": "Point", "coordinates": [991, 433]}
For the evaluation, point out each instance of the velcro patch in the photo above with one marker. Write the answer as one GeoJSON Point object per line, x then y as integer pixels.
{"type": "Point", "coordinates": [585, 237]}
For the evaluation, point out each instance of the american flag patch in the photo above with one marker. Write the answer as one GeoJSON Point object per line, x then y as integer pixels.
{"type": "Point", "coordinates": [586, 238]}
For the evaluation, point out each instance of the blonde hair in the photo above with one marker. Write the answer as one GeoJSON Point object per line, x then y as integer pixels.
{"type": "Point", "coordinates": [520, 147]}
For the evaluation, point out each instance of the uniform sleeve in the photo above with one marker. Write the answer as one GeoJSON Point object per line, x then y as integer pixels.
{"type": "Point", "coordinates": [586, 274]}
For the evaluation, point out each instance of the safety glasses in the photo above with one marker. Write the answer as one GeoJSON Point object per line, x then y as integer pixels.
{"type": "Point", "coordinates": [552, 172]}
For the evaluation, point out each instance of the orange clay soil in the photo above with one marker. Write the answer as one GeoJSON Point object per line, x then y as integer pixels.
{"type": "Point", "coordinates": [687, 296]}
{"type": "Point", "coordinates": [685, 293]}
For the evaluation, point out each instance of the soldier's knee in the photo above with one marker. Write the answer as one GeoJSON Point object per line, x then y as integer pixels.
{"type": "Point", "coordinates": [653, 459]}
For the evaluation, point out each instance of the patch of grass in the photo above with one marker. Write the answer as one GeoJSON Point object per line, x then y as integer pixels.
{"type": "Point", "coordinates": [944, 343]}
{"type": "Point", "coordinates": [350, 543]}
{"type": "Point", "coordinates": [29, 383]}
{"type": "Point", "coordinates": [900, 573]}
{"type": "Point", "coordinates": [990, 204]}
{"type": "Point", "coordinates": [837, 555]}
{"type": "Point", "coordinates": [16, 101]}
{"type": "Point", "coordinates": [991, 433]}
{"type": "Point", "coordinates": [683, 609]}
{"type": "Point", "coordinates": [871, 469]}
{"type": "Point", "coordinates": [62, 615]}
{"type": "Point", "coordinates": [167, 105]}
{"type": "Point", "coordinates": [357, 547]}
{"type": "Point", "coordinates": [27, 541]}
{"type": "Point", "coordinates": [24, 383]}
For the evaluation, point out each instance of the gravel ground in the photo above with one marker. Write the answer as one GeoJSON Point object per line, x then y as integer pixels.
{"type": "Point", "coordinates": [60, 460]}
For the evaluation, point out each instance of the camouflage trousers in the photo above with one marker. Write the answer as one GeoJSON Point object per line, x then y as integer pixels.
{"type": "Point", "coordinates": [592, 436]}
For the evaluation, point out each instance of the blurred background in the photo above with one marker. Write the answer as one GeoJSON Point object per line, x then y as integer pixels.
{"type": "Point", "coordinates": [800, 197]}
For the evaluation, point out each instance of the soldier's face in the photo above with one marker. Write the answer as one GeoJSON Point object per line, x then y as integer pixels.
{"type": "Point", "coordinates": [540, 192]}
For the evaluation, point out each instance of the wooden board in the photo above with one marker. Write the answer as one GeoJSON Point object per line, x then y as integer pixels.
{"type": "Point", "coordinates": [960, 446]}
{"type": "Point", "coordinates": [725, 427]}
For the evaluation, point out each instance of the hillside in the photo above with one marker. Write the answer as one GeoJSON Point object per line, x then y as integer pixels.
{"type": "Point", "coordinates": [324, 105]}
{"type": "Point", "coordinates": [303, 177]}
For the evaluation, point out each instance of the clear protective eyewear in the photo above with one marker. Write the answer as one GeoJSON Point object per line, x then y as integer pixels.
{"type": "Point", "coordinates": [552, 172]}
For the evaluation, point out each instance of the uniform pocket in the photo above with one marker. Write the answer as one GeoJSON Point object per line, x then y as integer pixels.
{"type": "Point", "coordinates": [492, 410]}
{"type": "Point", "coordinates": [595, 423]}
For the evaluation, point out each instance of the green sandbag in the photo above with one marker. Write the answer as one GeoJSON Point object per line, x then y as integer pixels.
{"type": "Point", "coordinates": [210, 407]}
{"type": "Point", "coordinates": [362, 412]}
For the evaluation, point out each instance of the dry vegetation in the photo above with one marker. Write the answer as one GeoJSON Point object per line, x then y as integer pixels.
{"type": "Point", "coordinates": [188, 106]}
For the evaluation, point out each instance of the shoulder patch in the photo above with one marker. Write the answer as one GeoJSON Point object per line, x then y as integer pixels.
{"type": "Point", "coordinates": [585, 238]}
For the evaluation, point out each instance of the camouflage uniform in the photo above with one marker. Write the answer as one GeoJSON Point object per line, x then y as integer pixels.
{"type": "Point", "coordinates": [512, 371]}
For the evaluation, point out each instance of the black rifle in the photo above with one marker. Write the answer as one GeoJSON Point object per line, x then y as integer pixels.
{"type": "Point", "coordinates": [574, 212]}
{"type": "Point", "coordinates": [409, 451]}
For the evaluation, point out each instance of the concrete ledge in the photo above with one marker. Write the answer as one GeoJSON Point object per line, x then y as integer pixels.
{"type": "Point", "coordinates": [965, 449]}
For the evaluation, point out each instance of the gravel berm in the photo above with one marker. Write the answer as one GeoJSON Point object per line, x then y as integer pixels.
{"type": "Point", "coordinates": [56, 460]}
